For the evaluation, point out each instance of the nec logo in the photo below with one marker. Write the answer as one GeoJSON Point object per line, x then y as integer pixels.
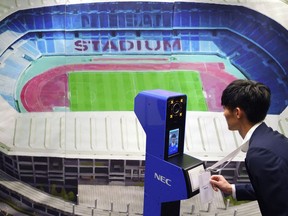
{"type": "Point", "coordinates": [163, 179]}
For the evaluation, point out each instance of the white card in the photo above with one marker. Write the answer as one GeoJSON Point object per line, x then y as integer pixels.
{"type": "Point", "coordinates": [194, 176]}
{"type": "Point", "coordinates": [206, 190]}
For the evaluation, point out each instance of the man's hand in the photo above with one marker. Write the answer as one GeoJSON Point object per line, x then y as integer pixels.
{"type": "Point", "coordinates": [219, 182]}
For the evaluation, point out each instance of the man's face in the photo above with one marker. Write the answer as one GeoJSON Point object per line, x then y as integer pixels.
{"type": "Point", "coordinates": [231, 118]}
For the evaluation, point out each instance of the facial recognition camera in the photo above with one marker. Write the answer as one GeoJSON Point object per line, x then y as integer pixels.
{"type": "Point", "coordinates": [175, 120]}
{"type": "Point", "coordinates": [170, 175]}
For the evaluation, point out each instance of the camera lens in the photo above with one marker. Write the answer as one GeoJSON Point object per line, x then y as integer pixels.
{"type": "Point", "coordinates": [176, 108]}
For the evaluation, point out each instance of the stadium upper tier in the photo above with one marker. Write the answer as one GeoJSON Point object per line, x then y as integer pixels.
{"type": "Point", "coordinates": [254, 43]}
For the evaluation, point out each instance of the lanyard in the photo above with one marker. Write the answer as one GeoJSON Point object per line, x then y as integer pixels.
{"type": "Point", "coordinates": [226, 159]}
{"type": "Point", "coordinates": [229, 157]}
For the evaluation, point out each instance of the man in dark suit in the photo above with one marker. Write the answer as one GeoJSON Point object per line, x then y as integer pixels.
{"type": "Point", "coordinates": [245, 105]}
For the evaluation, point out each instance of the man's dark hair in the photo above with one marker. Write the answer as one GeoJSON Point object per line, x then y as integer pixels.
{"type": "Point", "coordinates": [251, 96]}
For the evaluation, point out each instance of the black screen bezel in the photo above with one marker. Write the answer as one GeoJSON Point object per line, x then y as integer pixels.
{"type": "Point", "coordinates": [175, 120]}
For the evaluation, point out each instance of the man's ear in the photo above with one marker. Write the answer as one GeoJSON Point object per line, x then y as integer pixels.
{"type": "Point", "coordinates": [238, 112]}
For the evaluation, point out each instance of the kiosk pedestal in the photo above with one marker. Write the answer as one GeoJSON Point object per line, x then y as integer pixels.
{"type": "Point", "coordinates": [170, 175]}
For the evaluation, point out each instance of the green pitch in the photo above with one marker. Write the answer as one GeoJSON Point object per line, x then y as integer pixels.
{"type": "Point", "coordinates": [115, 91]}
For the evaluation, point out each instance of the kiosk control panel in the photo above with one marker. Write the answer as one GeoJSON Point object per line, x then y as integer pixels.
{"type": "Point", "coordinates": [170, 175]}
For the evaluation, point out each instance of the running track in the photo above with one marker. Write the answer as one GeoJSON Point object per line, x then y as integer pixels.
{"type": "Point", "coordinates": [50, 88]}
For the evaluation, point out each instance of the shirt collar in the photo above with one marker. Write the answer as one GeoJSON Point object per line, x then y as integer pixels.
{"type": "Point", "coordinates": [245, 142]}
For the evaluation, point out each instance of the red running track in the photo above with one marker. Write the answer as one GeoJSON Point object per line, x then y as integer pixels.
{"type": "Point", "coordinates": [50, 88]}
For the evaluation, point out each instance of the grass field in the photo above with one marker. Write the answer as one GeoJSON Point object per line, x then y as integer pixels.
{"type": "Point", "coordinates": [115, 91]}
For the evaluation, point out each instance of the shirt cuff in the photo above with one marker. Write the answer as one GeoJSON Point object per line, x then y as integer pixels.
{"type": "Point", "coordinates": [233, 191]}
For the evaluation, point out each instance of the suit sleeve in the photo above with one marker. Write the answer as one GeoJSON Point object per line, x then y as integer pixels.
{"type": "Point", "coordinates": [268, 175]}
{"type": "Point", "coordinates": [245, 192]}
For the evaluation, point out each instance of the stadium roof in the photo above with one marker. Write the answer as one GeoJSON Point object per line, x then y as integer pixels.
{"type": "Point", "coordinates": [112, 135]}
{"type": "Point", "coordinates": [275, 9]}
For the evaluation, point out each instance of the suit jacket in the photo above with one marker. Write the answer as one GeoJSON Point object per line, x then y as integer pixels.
{"type": "Point", "coordinates": [267, 167]}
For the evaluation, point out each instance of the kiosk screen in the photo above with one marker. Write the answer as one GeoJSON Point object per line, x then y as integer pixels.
{"type": "Point", "coordinates": [173, 142]}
